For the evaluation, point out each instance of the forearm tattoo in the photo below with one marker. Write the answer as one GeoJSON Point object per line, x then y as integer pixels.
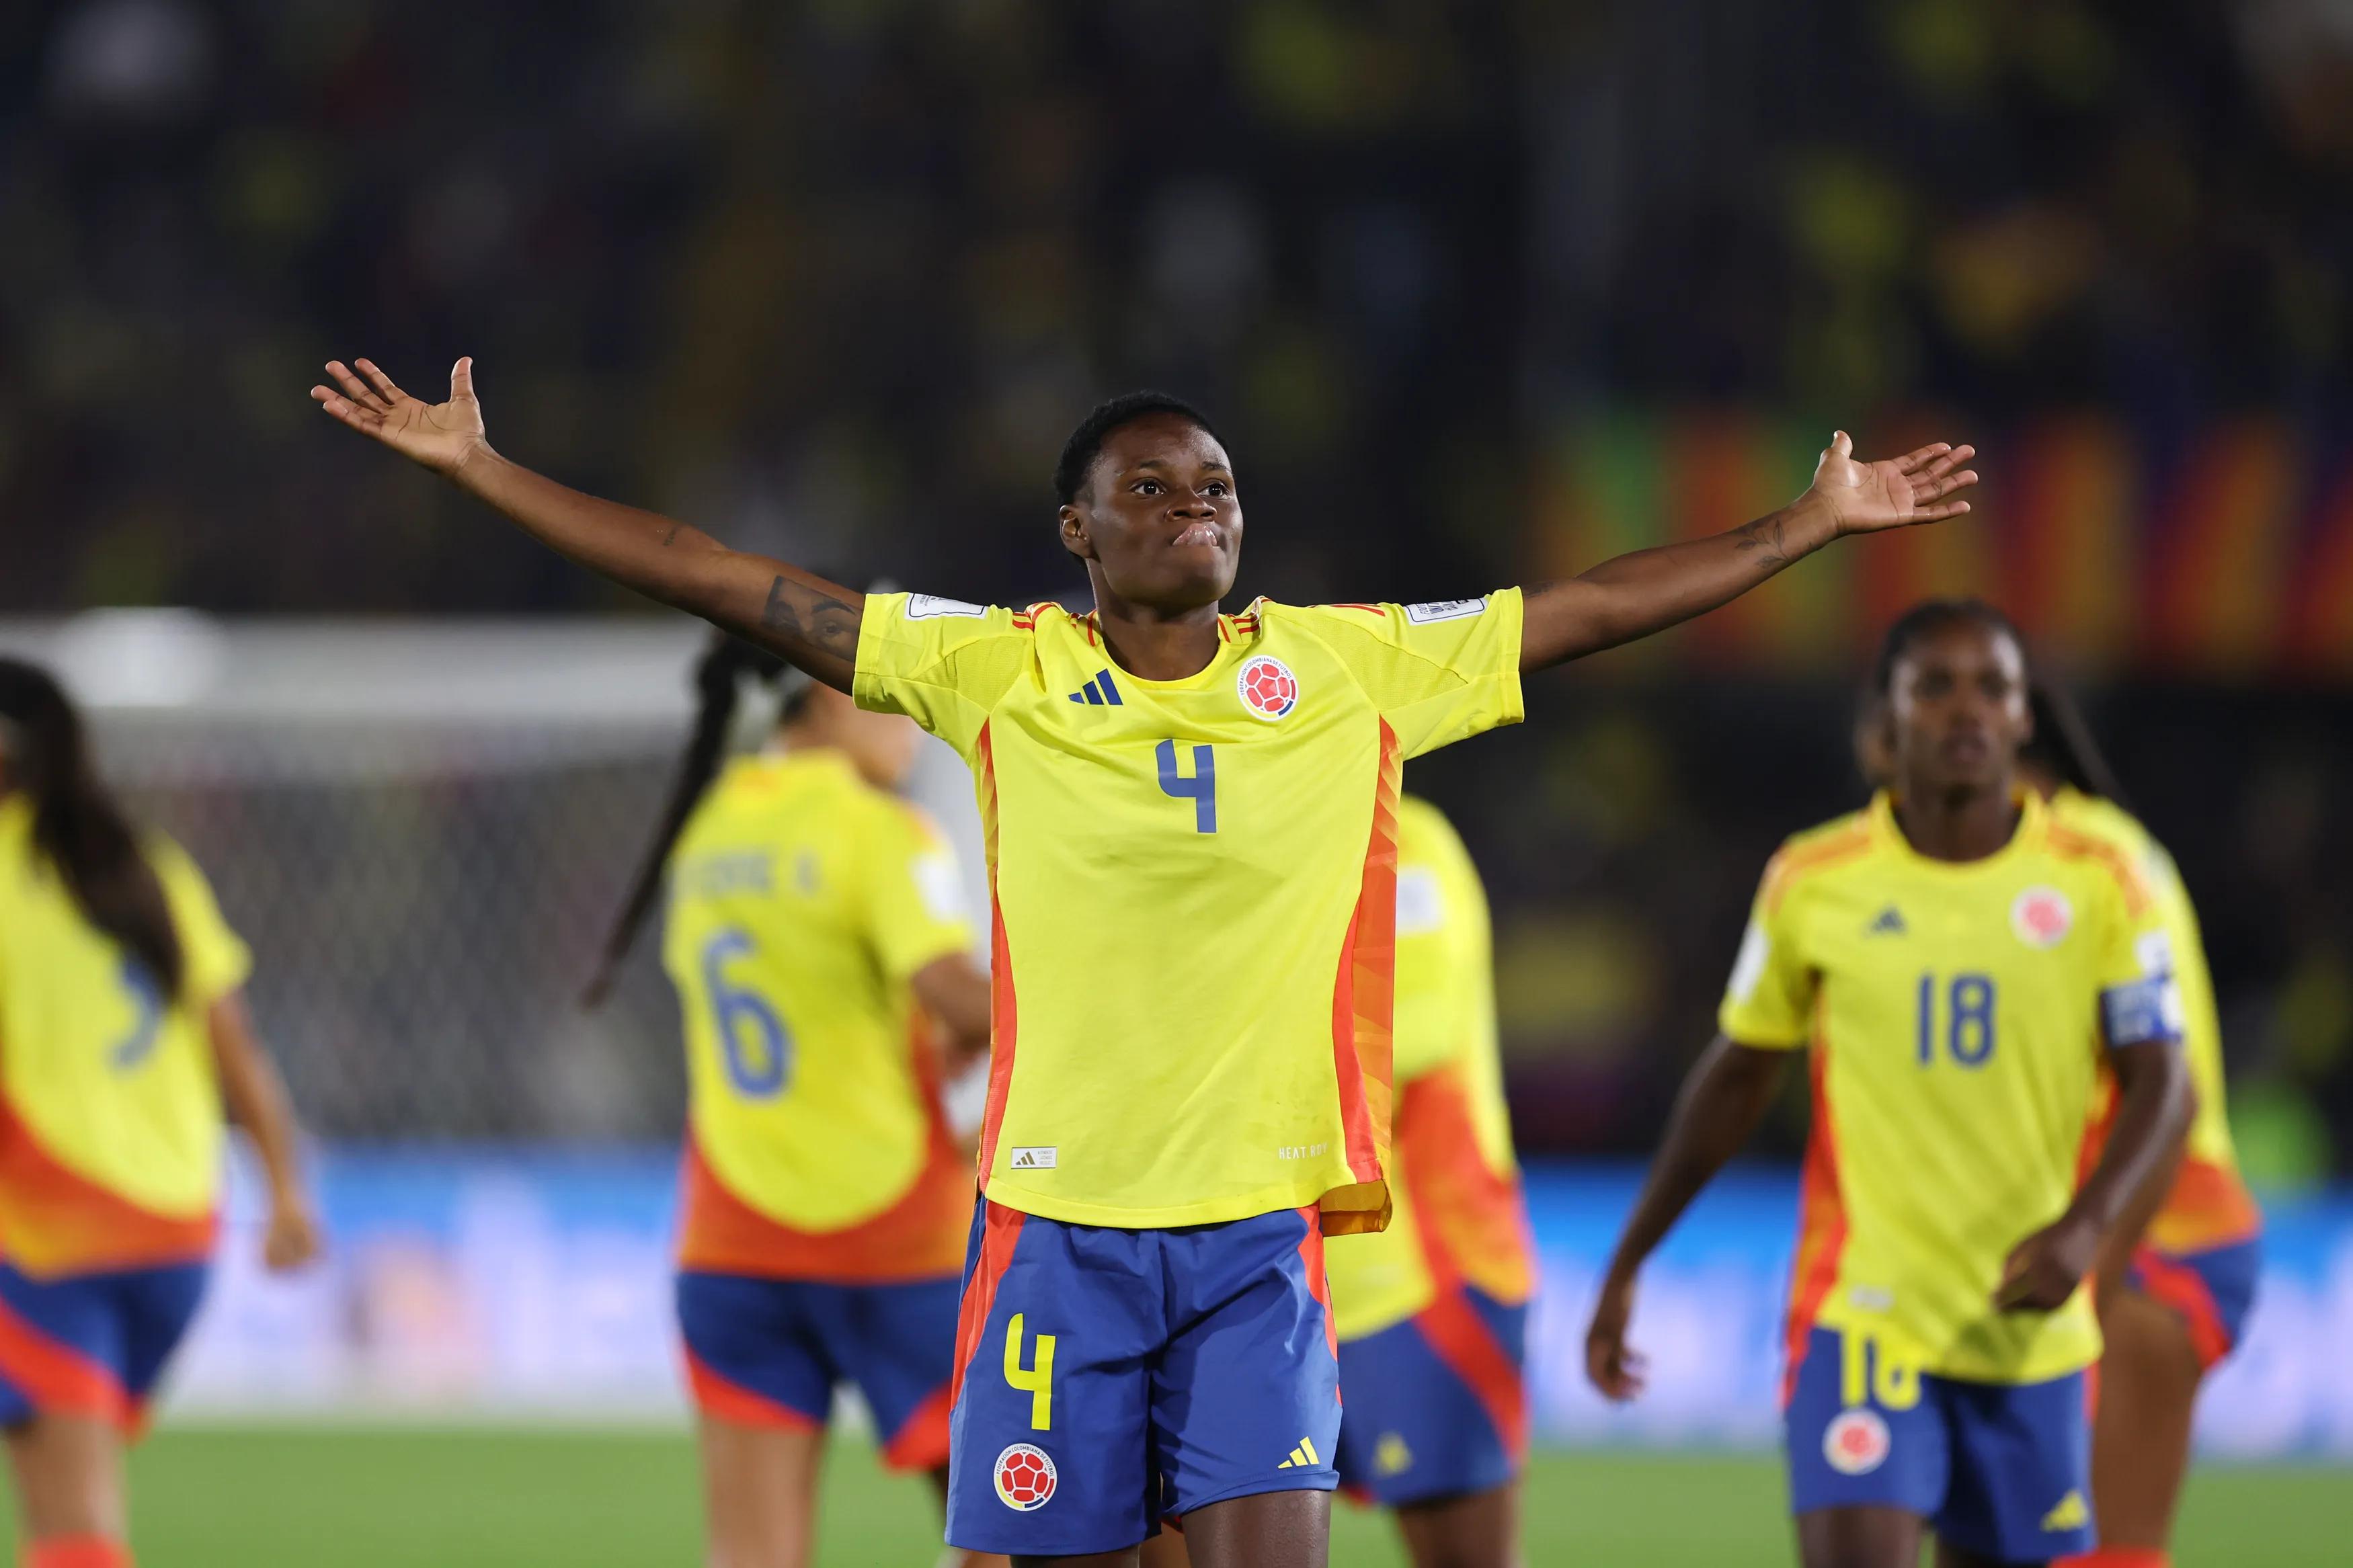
{"type": "Point", "coordinates": [1764, 535]}
{"type": "Point", "coordinates": [813, 615]}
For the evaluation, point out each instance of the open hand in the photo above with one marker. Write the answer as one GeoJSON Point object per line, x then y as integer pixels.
{"type": "Point", "coordinates": [443, 437]}
{"type": "Point", "coordinates": [2045, 1269]}
{"type": "Point", "coordinates": [1895, 492]}
{"type": "Point", "coordinates": [1612, 1366]}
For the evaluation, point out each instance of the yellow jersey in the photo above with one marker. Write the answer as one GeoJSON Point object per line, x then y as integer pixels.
{"type": "Point", "coordinates": [2209, 1204]}
{"type": "Point", "coordinates": [111, 1131]}
{"type": "Point", "coordinates": [802, 901]}
{"type": "Point", "coordinates": [1194, 889]}
{"type": "Point", "coordinates": [1955, 1014]}
{"type": "Point", "coordinates": [1455, 1182]}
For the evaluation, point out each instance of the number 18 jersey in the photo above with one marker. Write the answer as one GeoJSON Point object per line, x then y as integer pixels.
{"type": "Point", "coordinates": [1955, 1014]}
{"type": "Point", "coordinates": [1193, 887]}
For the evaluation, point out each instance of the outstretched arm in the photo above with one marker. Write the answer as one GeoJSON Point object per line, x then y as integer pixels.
{"type": "Point", "coordinates": [255, 1099]}
{"type": "Point", "coordinates": [795, 613]}
{"type": "Point", "coordinates": [1650, 590]}
{"type": "Point", "coordinates": [1719, 1106]}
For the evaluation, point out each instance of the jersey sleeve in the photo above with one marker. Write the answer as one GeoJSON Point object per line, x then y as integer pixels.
{"type": "Point", "coordinates": [217, 959]}
{"type": "Point", "coordinates": [1770, 1000]}
{"type": "Point", "coordinates": [914, 898]}
{"type": "Point", "coordinates": [1438, 672]}
{"type": "Point", "coordinates": [2137, 967]}
{"type": "Point", "coordinates": [943, 663]}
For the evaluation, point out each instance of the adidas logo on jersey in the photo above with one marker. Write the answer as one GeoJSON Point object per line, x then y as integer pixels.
{"type": "Point", "coordinates": [1303, 1458]}
{"type": "Point", "coordinates": [1100, 692]}
{"type": "Point", "coordinates": [1035, 1157]}
{"type": "Point", "coordinates": [2072, 1513]}
{"type": "Point", "coordinates": [1889, 923]}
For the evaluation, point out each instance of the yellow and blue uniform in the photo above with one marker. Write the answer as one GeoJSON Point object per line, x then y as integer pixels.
{"type": "Point", "coordinates": [110, 1135]}
{"type": "Point", "coordinates": [824, 1203]}
{"type": "Point", "coordinates": [1194, 895]}
{"type": "Point", "coordinates": [2202, 1252]}
{"type": "Point", "coordinates": [1955, 1014]}
{"type": "Point", "coordinates": [1432, 1312]}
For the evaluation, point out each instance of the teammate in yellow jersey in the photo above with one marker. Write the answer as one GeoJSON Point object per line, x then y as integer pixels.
{"type": "Point", "coordinates": [820, 942]}
{"type": "Point", "coordinates": [2174, 1295]}
{"type": "Point", "coordinates": [2177, 1276]}
{"type": "Point", "coordinates": [122, 1036]}
{"type": "Point", "coordinates": [1960, 964]}
{"type": "Point", "coordinates": [1191, 821]}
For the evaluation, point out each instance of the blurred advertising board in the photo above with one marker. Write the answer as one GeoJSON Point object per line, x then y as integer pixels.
{"type": "Point", "coordinates": [536, 1284]}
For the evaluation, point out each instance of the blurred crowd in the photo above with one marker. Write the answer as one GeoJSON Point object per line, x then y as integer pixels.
{"type": "Point", "coordinates": [835, 278]}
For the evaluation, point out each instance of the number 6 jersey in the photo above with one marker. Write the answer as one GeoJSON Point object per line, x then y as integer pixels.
{"type": "Point", "coordinates": [1957, 1013]}
{"type": "Point", "coordinates": [1194, 889]}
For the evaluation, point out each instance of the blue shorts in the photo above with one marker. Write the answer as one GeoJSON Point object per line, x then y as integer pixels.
{"type": "Point", "coordinates": [768, 1353]}
{"type": "Point", "coordinates": [2213, 1291]}
{"type": "Point", "coordinates": [1437, 1405]}
{"type": "Point", "coordinates": [2004, 1470]}
{"type": "Point", "coordinates": [91, 1344]}
{"type": "Point", "coordinates": [1108, 1379]}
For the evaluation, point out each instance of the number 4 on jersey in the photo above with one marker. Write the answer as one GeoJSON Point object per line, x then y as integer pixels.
{"type": "Point", "coordinates": [1201, 789]}
{"type": "Point", "coordinates": [1035, 1380]}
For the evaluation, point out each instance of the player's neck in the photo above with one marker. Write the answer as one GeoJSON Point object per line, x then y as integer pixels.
{"type": "Point", "coordinates": [1157, 644]}
{"type": "Point", "coordinates": [1957, 824]}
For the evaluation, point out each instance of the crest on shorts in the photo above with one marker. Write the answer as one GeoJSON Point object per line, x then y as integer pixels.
{"type": "Point", "coordinates": [1268, 688]}
{"type": "Point", "coordinates": [2042, 917]}
{"type": "Point", "coordinates": [1856, 1442]}
{"type": "Point", "coordinates": [1026, 1478]}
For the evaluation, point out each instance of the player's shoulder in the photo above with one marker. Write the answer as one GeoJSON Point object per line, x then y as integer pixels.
{"type": "Point", "coordinates": [1385, 620]}
{"type": "Point", "coordinates": [934, 615]}
{"type": "Point", "coordinates": [2111, 848]}
{"type": "Point", "coordinates": [1811, 855]}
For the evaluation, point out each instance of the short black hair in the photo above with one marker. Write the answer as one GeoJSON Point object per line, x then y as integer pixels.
{"type": "Point", "coordinates": [1085, 445]}
{"type": "Point", "coordinates": [1934, 615]}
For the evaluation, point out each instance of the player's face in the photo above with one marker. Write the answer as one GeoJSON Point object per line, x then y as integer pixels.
{"type": "Point", "coordinates": [1158, 523]}
{"type": "Point", "coordinates": [1957, 708]}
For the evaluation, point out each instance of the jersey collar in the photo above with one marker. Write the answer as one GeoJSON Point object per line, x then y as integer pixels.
{"type": "Point", "coordinates": [2033, 816]}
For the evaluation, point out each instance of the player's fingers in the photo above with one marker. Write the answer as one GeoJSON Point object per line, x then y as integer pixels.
{"type": "Point", "coordinates": [1841, 444]}
{"type": "Point", "coordinates": [1937, 512]}
{"type": "Point", "coordinates": [1924, 489]}
{"type": "Point", "coordinates": [380, 381]}
{"type": "Point", "coordinates": [1912, 462]}
{"type": "Point", "coordinates": [461, 379]}
{"type": "Point", "coordinates": [1946, 461]}
{"type": "Point", "coordinates": [353, 387]}
{"type": "Point", "coordinates": [342, 410]}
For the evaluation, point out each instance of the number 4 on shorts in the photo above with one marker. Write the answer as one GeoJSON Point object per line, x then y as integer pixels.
{"type": "Point", "coordinates": [1035, 1380]}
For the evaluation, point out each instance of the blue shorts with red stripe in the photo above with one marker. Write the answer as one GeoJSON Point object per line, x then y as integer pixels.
{"type": "Point", "coordinates": [1108, 1379]}
{"type": "Point", "coordinates": [1436, 1405]}
{"type": "Point", "coordinates": [2001, 1469]}
{"type": "Point", "coordinates": [2213, 1291]}
{"type": "Point", "coordinates": [91, 1344]}
{"type": "Point", "coordinates": [770, 1353]}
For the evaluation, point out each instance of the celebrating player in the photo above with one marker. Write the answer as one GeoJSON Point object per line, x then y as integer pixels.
{"type": "Point", "coordinates": [1191, 826]}
{"type": "Point", "coordinates": [811, 914]}
{"type": "Point", "coordinates": [1950, 955]}
{"type": "Point", "coordinates": [126, 1032]}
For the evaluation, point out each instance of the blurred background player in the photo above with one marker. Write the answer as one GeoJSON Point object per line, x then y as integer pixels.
{"type": "Point", "coordinates": [2175, 1292]}
{"type": "Point", "coordinates": [2178, 1277]}
{"type": "Point", "coordinates": [1431, 1313]}
{"type": "Point", "coordinates": [1948, 953]}
{"type": "Point", "coordinates": [817, 933]}
{"type": "Point", "coordinates": [126, 1036]}
{"type": "Point", "coordinates": [1152, 1209]}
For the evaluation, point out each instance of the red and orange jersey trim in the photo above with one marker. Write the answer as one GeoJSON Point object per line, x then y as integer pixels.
{"type": "Point", "coordinates": [2071, 845]}
{"type": "Point", "coordinates": [1319, 1279]}
{"type": "Point", "coordinates": [2208, 1206]}
{"type": "Point", "coordinates": [920, 1237]}
{"type": "Point", "coordinates": [1001, 1233]}
{"type": "Point", "coordinates": [56, 1221]}
{"type": "Point", "coordinates": [1472, 1218]}
{"type": "Point", "coordinates": [1822, 1224]}
{"type": "Point", "coordinates": [1004, 1012]}
{"type": "Point", "coordinates": [1351, 605]}
{"type": "Point", "coordinates": [1363, 1007]}
{"type": "Point", "coordinates": [1797, 861]}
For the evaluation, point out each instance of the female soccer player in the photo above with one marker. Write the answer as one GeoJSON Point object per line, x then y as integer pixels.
{"type": "Point", "coordinates": [122, 1034]}
{"type": "Point", "coordinates": [815, 919]}
{"type": "Point", "coordinates": [1950, 955]}
{"type": "Point", "coordinates": [1432, 1312]}
{"type": "Point", "coordinates": [2177, 1278]}
{"type": "Point", "coordinates": [1191, 826]}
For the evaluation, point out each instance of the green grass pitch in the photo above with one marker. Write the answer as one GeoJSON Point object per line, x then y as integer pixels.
{"type": "Point", "coordinates": [396, 1497]}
